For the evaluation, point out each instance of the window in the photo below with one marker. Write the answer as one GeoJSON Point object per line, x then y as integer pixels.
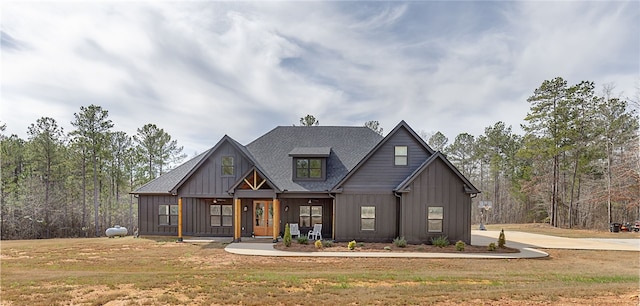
{"type": "Point", "coordinates": [168, 215]}
{"type": "Point", "coordinates": [227, 165]}
{"type": "Point", "coordinates": [309, 168]}
{"type": "Point", "coordinates": [368, 218]}
{"type": "Point", "coordinates": [221, 215]}
{"type": "Point", "coordinates": [310, 215]}
{"type": "Point", "coordinates": [435, 215]}
{"type": "Point", "coordinates": [400, 155]}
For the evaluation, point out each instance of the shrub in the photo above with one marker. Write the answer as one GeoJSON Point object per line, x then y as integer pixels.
{"type": "Point", "coordinates": [400, 242]}
{"type": "Point", "coordinates": [387, 248]}
{"type": "Point", "coordinates": [318, 244]}
{"type": "Point", "coordinates": [460, 245]}
{"type": "Point", "coordinates": [492, 247]}
{"type": "Point", "coordinates": [360, 244]}
{"type": "Point", "coordinates": [351, 245]}
{"type": "Point", "coordinates": [501, 239]}
{"type": "Point", "coordinates": [287, 236]}
{"type": "Point", "coordinates": [327, 243]}
{"type": "Point", "coordinates": [440, 241]}
{"type": "Point", "coordinates": [302, 239]}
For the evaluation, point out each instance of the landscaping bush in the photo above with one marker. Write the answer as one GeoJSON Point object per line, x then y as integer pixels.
{"type": "Point", "coordinates": [318, 244]}
{"type": "Point", "coordinates": [327, 243]}
{"type": "Point", "coordinates": [440, 241]}
{"type": "Point", "coordinates": [387, 248]}
{"type": "Point", "coordinates": [287, 236]}
{"type": "Point", "coordinates": [302, 239]}
{"type": "Point", "coordinates": [501, 240]}
{"type": "Point", "coordinates": [400, 242]}
{"type": "Point", "coordinates": [351, 245]}
{"type": "Point", "coordinates": [460, 245]}
{"type": "Point", "coordinates": [492, 247]}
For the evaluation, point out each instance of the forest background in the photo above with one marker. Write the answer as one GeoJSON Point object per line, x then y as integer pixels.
{"type": "Point", "coordinates": [576, 164]}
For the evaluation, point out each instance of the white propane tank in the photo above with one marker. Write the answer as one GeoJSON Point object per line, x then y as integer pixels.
{"type": "Point", "coordinates": [116, 231]}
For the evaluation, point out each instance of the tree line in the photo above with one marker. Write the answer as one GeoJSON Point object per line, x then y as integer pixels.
{"type": "Point", "coordinates": [77, 184]}
{"type": "Point", "coordinates": [577, 164]}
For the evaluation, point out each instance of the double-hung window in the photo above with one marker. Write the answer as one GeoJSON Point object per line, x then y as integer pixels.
{"type": "Point", "coordinates": [367, 218]}
{"type": "Point", "coordinates": [221, 215]}
{"type": "Point", "coordinates": [400, 156]}
{"type": "Point", "coordinates": [435, 217]}
{"type": "Point", "coordinates": [168, 214]}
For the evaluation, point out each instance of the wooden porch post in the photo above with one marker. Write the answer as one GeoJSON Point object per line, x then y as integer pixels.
{"type": "Point", "coordinates": [237, 224]}
{"type": "Point", "coordinates": [276, 219]}
{"type": "Point", "coordinates": [179, 219]}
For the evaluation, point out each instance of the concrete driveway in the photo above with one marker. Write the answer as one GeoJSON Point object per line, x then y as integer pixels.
{"type": "Point", "coordinates": [522, 240]}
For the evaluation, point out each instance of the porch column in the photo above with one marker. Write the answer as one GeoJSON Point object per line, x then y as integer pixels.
{"type": "Point", "coordinates": [179, 219]}
{"type": "Point", "coordinates": [276, 219]}
{"type": "Point", "coordinates": [237, 224]}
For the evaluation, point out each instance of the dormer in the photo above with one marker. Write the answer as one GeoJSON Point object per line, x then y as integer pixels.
{"type": "Point", "coordinates": [309, 163]}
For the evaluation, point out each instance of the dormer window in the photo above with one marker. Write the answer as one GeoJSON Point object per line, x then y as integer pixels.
{"type": "Point", "coordinates": [308, 168]}
{"type": "Point", "coordinates": [310, 163]}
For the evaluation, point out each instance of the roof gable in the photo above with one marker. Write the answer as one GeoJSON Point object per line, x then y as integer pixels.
{"type": "Point", "coordinates": [169, 182]}
{"type": "Point", "coordinates": [469, 188]}
{"type": "Point", "coordinates": [401, 126]}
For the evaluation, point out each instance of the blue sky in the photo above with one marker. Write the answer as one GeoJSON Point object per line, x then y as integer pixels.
{"type": "Point", "coordinates": [204, 69]}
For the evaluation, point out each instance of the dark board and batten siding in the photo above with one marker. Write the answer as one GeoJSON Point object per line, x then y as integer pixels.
{"type": "Point", "coordinates": [379, 173]}
{"type": "Point", "coordinates": [148, 209]}
{"type": "Point", "coordinates": [208, 180]}
{"type": "Point", "coordinates": [436, 186]}
{"type": "Point", "coordinates": [348, 217]}
{"type": "Point", "coordinates": [197, 219]}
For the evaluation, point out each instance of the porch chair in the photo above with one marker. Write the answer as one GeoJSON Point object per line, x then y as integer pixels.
{"type": "Point", "coordinates": [293, 228]}
{"type": "Point", "coordinates": [316, 232]}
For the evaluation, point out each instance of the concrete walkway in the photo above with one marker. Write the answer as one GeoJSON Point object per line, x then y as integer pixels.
{"type": "Point", "coordinates": [526, 242]}
{"type": "Point", "coordinates": [522, 239]}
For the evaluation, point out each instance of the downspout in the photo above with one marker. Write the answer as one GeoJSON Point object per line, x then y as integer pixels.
{"type": "Point", "coordinates": [398, 211]}
{"type": "Point", "coordinates": [333, 216]}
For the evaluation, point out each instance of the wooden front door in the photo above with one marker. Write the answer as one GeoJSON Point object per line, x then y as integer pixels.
{"type": "Point", "coordinates": [263, 218]}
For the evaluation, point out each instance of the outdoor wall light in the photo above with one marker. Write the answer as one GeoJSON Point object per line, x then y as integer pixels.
{"type": "Point", "coordinates": [286, 208]}
{"type": "Point", "coordinates": [215, 201]}
{"type": "Point", "coordinates": [245, 208]}
{"type": "Point", "coordinates": [309, 201]}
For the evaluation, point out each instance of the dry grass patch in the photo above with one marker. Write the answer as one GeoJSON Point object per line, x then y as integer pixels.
{"type": "Point", "coordinates": [127, 271]}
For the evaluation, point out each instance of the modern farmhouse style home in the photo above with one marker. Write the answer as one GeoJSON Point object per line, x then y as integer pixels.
{"type": "Point", "coordinates": [350, 181]}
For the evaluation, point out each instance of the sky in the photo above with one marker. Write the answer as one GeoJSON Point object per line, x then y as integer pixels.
{"type": "Point", "coordinates": [203, 69]}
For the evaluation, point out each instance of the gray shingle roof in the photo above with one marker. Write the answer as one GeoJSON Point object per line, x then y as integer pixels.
{"type": "Point", "coordinates": [166, 182]}
{"type": "Point", "coordinates": [348, 146]}
{"type": "Point", "coordinates": [345, 147]}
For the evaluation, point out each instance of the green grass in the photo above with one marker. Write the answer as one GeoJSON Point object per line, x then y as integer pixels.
{"type": "Point", "coordinates": [156, 271]}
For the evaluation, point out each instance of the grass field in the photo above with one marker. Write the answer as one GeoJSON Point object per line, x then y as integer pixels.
{"type": "Point", "coordinates": [128, 271]}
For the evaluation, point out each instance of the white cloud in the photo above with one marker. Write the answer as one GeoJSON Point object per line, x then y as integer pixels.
{"type": "Point", "coordinates": [204, 69]}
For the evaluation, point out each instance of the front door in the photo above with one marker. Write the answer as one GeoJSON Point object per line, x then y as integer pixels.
{"type": "Point", "coordinates": [263, 218]}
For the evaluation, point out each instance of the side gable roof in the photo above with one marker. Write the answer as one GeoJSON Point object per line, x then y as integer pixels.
{"type": "Point", "coordinates": [469, 188]}
{"type": "Point", "coordinates": [401, 125]}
